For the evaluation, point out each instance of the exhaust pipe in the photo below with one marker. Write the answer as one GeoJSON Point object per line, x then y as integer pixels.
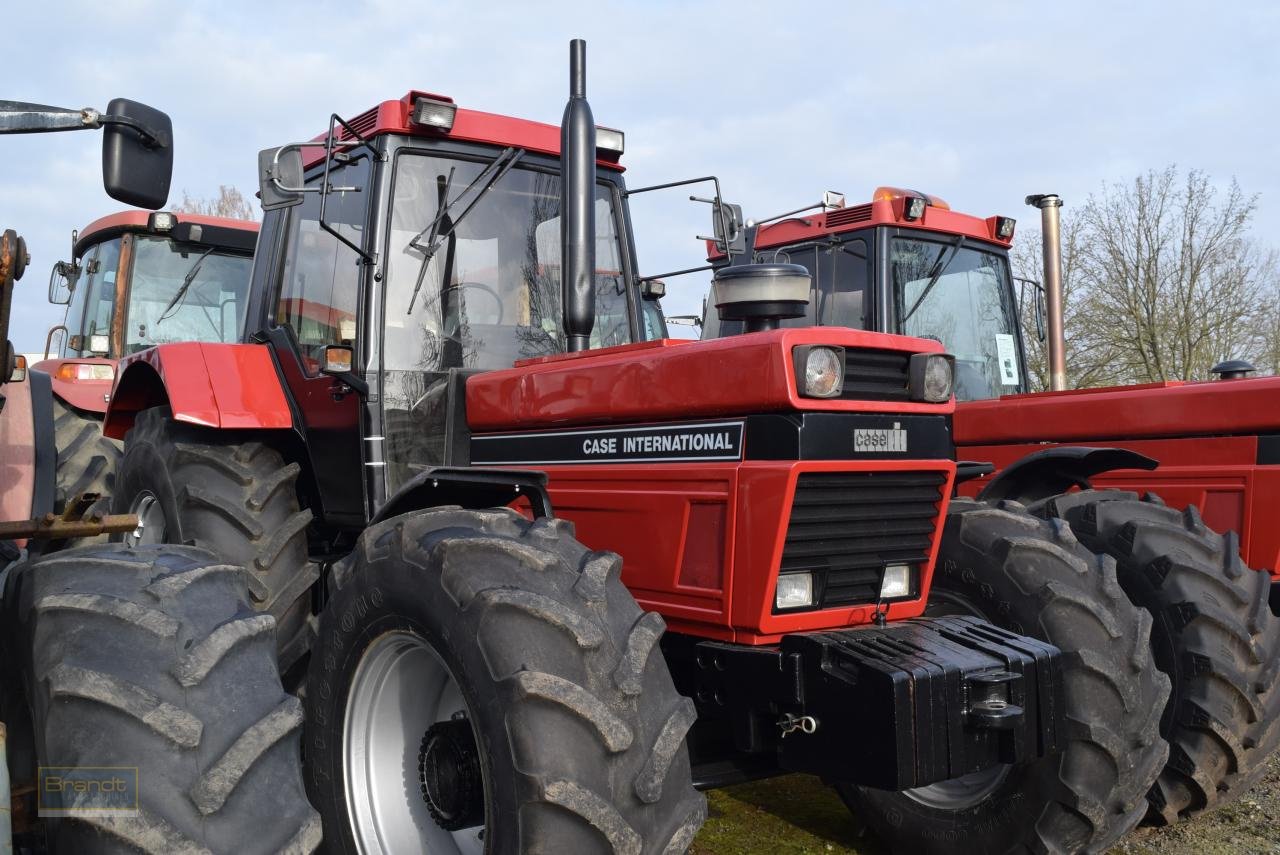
{"type": "Point", "coordinates": [1051, 233]}
{"type": "Point", "coordinates": [577, 205]}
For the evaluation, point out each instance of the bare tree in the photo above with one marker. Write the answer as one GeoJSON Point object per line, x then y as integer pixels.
{"type": "Point", "coordinates": [229, 202]}
{"type": "Point", "coordinates": [1091, 355]}
{"type": "Point", "coordinates": [1172, 281]}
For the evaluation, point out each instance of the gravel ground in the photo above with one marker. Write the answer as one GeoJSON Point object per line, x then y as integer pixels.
{"type": "Point", "coordinates": [797, 814]}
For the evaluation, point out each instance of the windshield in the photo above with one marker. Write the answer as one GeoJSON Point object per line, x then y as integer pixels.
{"type": "Point", "coordinates": [211, 308]}
{"type": "Point", "coordinates": [968, 307]}
{"type": "Point", "coordinates": [489, 296]}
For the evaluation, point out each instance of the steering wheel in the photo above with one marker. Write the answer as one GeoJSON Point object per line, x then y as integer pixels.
{"type": "Point", "coordinates": [479, 286]}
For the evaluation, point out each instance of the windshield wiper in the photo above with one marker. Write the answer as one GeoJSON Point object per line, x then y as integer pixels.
{"type": "Point", "coordinates": [435, 235]}
{"type": "Point", "coordinates": [186, 283]}
{"type": "Point", "coordinates": [939, 268]}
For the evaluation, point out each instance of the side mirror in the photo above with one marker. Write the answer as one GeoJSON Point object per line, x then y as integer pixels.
{"type": "Point", "coordinates": [19, 372]}
{"type": "Point", "coordinates": [726, 221]}
{"type": "Point", "coordinates": [1042, 309]}
{"type": "Point", "coordinates": [62, 281]}
{"type": "Point", "coordinates": [280, 177]}
{"type": "Point", "coordinates": [337, 362]}
{"type": "Point", "coordinates": [137, 153]}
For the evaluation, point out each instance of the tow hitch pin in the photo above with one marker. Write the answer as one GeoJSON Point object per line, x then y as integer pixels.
{"type": "Point", "coordinates": [791, 723]}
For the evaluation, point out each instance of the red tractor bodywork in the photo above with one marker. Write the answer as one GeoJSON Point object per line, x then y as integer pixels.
{"type": "Point", "coordinates": [231, 386]}
{"type": "Point", "coordinates": [1218, 444]}
{"type": "Point", "coordinates": [708, 553]}
{"type": "Point", "coordinates": [88, 388]}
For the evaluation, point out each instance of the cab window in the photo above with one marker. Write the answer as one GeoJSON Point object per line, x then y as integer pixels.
{"type": "Point", "coordinates": [321, 283]}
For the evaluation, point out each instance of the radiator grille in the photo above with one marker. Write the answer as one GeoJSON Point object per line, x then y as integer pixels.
{"type": "Point", "coordinates": [876, 375]}
{"type": "Point", "coordinates": [846, 526]}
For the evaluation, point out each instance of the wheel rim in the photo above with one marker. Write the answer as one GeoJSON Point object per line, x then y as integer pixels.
{"type": "Point", "coordinates": [151, 522]}
{"type": "Point", "coordinates": [974, 788]}
{"type": "Point", "coordinates": [401, 687]}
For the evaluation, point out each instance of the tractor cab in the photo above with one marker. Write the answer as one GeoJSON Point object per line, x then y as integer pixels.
{"type": "Point", "coordinates": [905, 263]}
{"type": "Point", "coordinates": [417, 244]}
{"type": "Point", "coordinates": [137, 279]}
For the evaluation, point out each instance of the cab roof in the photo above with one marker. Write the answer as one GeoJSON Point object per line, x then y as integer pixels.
{"type": "Point", "coordinates": [238, 235]}
{"type": "Point", "coordinates": [393, 117]}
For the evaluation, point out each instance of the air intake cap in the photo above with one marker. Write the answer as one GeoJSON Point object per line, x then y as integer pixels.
{"type": "Point", "coordinates": [762, 295]}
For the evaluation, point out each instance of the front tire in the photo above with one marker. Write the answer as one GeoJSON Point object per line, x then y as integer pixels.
{"type": "Point", "coordinates": [232, 495]}
{"type": "Point", "coordinates": [87, 463]}
{"type": "Point", "coordinates": [1033, 577]}
{"type": "Point", "coordinates": [1214, 635]}
{"type": "Point", "coordinates": [153, 659]}
{"type": "Point", "coordinates": [517, 680]}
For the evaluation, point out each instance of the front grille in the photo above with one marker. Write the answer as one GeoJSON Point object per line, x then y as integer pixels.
{"type": "Point", "coordinates": [876, 375]}
{"type": "Point", "coordinates": [846, 526]}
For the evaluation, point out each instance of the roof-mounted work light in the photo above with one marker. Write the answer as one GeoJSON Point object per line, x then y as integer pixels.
{"type": "Point", "coordinates": [161, 221]}
{"type": "Point", "coordinates": [611, 140]}
{"type": "Point", "coordinates": [434, 113]}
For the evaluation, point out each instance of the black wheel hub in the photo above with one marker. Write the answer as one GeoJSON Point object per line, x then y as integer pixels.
{"type": "Point", "coordinates": [449, 770]}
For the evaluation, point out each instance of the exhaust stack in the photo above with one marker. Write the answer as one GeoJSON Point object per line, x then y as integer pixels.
{"type": "Point", "coordinates": [1051, 233]}
{"type": "Point", "coordinates": [577, 205]}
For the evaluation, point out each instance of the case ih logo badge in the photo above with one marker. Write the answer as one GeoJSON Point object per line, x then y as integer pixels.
{"type": "Point", "coordinates": [880, 439]}
{"type": "Point", "coordinates": [671, 443]}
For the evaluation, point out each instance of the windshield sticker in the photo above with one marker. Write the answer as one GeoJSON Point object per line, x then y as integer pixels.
{"type": "Point", "coordinates": [1007, 354]}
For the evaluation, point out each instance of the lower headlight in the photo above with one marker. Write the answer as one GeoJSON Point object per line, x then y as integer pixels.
{"type": "Point", "coordinates": [795, 590]}
{"type": "Point", "coordinates": [932, 377]}
{"type": "Point", "coordinates": [896, 582]}
{"type": "Point", "coordinates": [820, 371]}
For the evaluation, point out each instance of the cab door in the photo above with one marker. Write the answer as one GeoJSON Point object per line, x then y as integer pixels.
{"type": "Point", "coordinates": [316, 303]}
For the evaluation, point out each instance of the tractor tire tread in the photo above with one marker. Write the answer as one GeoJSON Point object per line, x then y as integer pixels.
{"type": "Point", "coordinates": [1215, 636]}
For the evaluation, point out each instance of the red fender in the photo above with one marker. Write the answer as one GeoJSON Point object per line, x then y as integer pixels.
{"type": "Point", "coordinates": [227, 386]}
{"type": "Point", "coordinates": [89, 395]}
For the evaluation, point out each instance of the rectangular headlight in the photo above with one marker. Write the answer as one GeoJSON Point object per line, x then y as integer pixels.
{"type": "Point", "coordinates": [896, 582]}
{"type": "Point", "coordinates": [795, 590]}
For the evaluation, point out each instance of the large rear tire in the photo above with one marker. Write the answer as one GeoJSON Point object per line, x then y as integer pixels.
{"type": "Point", "coordinates": [87, 462]}
{"type": "Point", "coordinates": [1033, 577]}
{"type": "Point", "coordinates": [232, 495]}
{"type": "Point", "coordinates": [1214, 635]}
{"type": "Point", "coordinates": [153, 659]}
{"type": "Point", "coordinates": [448, 618]}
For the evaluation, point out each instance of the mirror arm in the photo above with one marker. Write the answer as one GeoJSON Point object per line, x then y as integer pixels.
{"type": "Point", "coordinates": [19, 117]}
{"type": "Point", "coordinates": [151, 137]}
{"type": "Point", "coordinates": [643, 279]}
{"type": "Point", "coordinates": [357, 384]}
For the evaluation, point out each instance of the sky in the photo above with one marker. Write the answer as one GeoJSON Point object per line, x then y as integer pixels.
{"type": "Point", "coordinates": [979, 103]}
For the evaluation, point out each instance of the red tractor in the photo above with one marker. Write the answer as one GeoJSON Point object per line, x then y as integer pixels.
{"type": "Point", "coordinates": [135, 279]}
{"type": "Point", "coordinates": [907, 263]}
{"type": "Point", "coordinates": [132, 717]}
{"type": "Point", "coordinates": [446, 335]}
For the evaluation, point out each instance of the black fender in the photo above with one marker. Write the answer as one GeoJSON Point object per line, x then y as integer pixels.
{"type": "Point", "coordinates": [471, 488]}
{"type": "Point", "coordinates": [1046, 473]}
